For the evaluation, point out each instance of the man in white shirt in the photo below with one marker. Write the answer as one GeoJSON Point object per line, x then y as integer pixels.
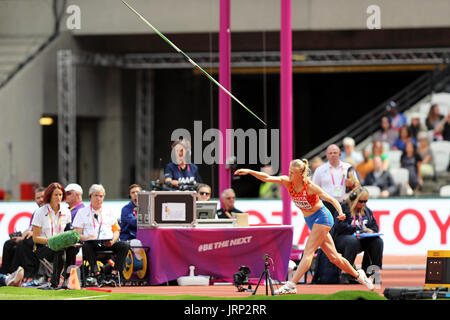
{"type": "Point", "coordinates": [94, 222]}
{"type": "Point", "coordinates": [333, 176]}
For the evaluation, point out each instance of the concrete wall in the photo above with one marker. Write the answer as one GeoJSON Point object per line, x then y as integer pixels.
{"type": "Point", "coordinates": [113, 17]}
{"type": "Point", "coordinates": [25, 17]}
{"type": "Point", "coordinates": [23, 100]}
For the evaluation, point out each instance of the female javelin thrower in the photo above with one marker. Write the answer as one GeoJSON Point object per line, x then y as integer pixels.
{"type": "Point", "coordinates": [306, 196]}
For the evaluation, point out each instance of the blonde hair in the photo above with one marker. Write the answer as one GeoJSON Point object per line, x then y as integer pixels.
{"type": "Point", "coordinates": [302, 165]}
{"type": "Point", "coordinates": [357, 193]}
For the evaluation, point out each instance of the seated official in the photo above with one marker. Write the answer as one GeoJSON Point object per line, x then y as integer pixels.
{"type": "Point", "coordinates": [228, 198]}
{"type": "Point", "coordinates": [74, 194]}
{"type": "Point", "coordinates": [49, 220]}
{"type": "Point", "coordinates": [94, 222]}
{"type": "Point", "coordinates": [128, 221]}
{"type": "Point", "coordinates": [359, 220]}
{"type": "Point", "coordinates": [18, 251]}
{"type": "Point", "coordinates": [203, 192]}
{"type": "Point", "coordinates": [179, 174]}
{"type": "Point", "coordinates": [381, 178]}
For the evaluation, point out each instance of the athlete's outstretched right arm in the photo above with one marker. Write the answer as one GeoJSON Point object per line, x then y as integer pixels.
{"type": "Point", "coordinates": [262, 176]}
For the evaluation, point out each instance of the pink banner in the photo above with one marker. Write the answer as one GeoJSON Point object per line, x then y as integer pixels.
{"type": "Point", "coordinates": [216, 252]}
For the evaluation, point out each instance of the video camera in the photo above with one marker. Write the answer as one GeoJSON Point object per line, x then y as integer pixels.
{"type": "Point", "coordinates": [241, 277]}
{"type": "Point", "coordinates": [15, 234]}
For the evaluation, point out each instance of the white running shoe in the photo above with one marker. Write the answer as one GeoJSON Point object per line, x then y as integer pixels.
{"type": "Point", "coordinates": [362, 278]}
{"type": "Point", "coordinates": [15, 279]}
{"type": "Point", "coordinates": [288, 288]}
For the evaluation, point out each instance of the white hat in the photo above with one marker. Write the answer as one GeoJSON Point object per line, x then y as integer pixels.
{"type": "Point", "coordinates": [74, 187]}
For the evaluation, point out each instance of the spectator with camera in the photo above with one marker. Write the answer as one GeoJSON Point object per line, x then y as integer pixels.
{"type": "Point", "coordinates": [381, 178]}
{"type": "Point", "coordinates": [228, 210]}
{"type": "Point", "coordinates": [128, 221]}
{"type": "Point", "coordinates": [180, 174]}
{"type": "Point", "coordinates": [356, 233]}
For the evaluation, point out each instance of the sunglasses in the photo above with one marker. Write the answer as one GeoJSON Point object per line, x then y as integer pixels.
{"type": "Point", "coordinates": [362, 201]}
{"type": "Point", "coordinates": [229, 198]}
{"type": "Point", "coordinates": [204, 193]}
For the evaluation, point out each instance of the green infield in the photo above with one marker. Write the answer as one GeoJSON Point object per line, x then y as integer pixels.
{"type": "Point", "coordinates": [13, 293]}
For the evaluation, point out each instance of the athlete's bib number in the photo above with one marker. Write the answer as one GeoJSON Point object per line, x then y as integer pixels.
{"type": "Point", "coordinates": [302, 204]}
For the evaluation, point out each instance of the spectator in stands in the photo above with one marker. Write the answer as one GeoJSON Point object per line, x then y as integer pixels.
{"type": "Point", "coordinates": [269, 190]}
{"type": "Point", "coordinates": [386, 133]}
{"type": "Point", "coordinates": [228, 198]}
{"type": "Point", "coordinates": [350, 155]}
{"type": "Point", "coordinates": [179, 174]}
{"type": "Point", "coordinates": [444, 127]}
{"type": "Point", "coordinates": [433, 119]}
{"type": "Point", "coordinates": [74, 194]}
{"type": "Point", "coordinates": [315, 163]}
{"type": "Point", "coordinates": [397, 119]}
{"type": "Point", "coordinates": [49, 220]}
{"type": "Point", "coordinates": [405, 135]}
{"type": "Point", "coordinates": [12, 280]}
{"type": "Point", "coordinates": [412, 161]}
{"type": "Point", "coordinates": [381, 178]}
{"type": "Point", "coordinates": [378, 150]}
{"type": "Point", "coordinates": [98, 223]}
{"type": "Point", "coordinates": [128, 221]}
{"type": "Point", "coordinates": [416, 126]}
{"type": "Point", "coordinates": [203, 192]}
{"type": "Point", "coordinates": [424, 151]}
{"type": "Point", "coordinates": [332, 176]}
{"type": "Point", "coordinates": [18, 251]}
{"type": "Point", "coordinates": [366, 165]}
{"type": "Point", "coordinates": [359, 221]}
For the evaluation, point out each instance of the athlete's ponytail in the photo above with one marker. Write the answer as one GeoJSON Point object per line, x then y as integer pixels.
{"type": "Point", "coordinates": [302, 165]}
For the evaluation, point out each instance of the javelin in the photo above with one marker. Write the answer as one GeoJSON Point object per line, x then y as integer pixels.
{"type": "Point", "coordinates": [191, 61]}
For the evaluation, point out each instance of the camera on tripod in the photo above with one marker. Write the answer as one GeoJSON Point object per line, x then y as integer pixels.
{"type": "Point", "coordinates": [241, 278]}
{"type": "Point", "coordinates": [156, 185]}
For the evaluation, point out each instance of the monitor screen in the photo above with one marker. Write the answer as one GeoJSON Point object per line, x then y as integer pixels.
{"type": "Point", "coordinates": [206, 209]}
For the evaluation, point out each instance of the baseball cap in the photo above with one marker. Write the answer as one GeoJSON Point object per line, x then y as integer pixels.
{"type": "Point", "coordinates": [391, 105]}
{"type": "Point", "coordinates": [74, 187]}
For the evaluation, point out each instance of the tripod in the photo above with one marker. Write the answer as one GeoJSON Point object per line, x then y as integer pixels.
{"type": "Point", "coordinates": [266, 274]}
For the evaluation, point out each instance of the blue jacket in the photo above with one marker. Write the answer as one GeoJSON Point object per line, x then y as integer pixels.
{"type": "Point", "coordinates": [184, 176]}
{"type": "Point", "coordinates": [128, 222]}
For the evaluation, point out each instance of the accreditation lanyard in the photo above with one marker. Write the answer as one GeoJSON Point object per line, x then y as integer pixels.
{"type": "Point", "coordinates": [93, 219]}
{"type": "Point", "coordinates": [343, 175]}
{"type": "Point", "coordinates": [51, 220]}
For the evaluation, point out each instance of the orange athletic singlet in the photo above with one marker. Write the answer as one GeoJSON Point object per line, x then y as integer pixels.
{"type": "Point", "coordinates": [302, 199]}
